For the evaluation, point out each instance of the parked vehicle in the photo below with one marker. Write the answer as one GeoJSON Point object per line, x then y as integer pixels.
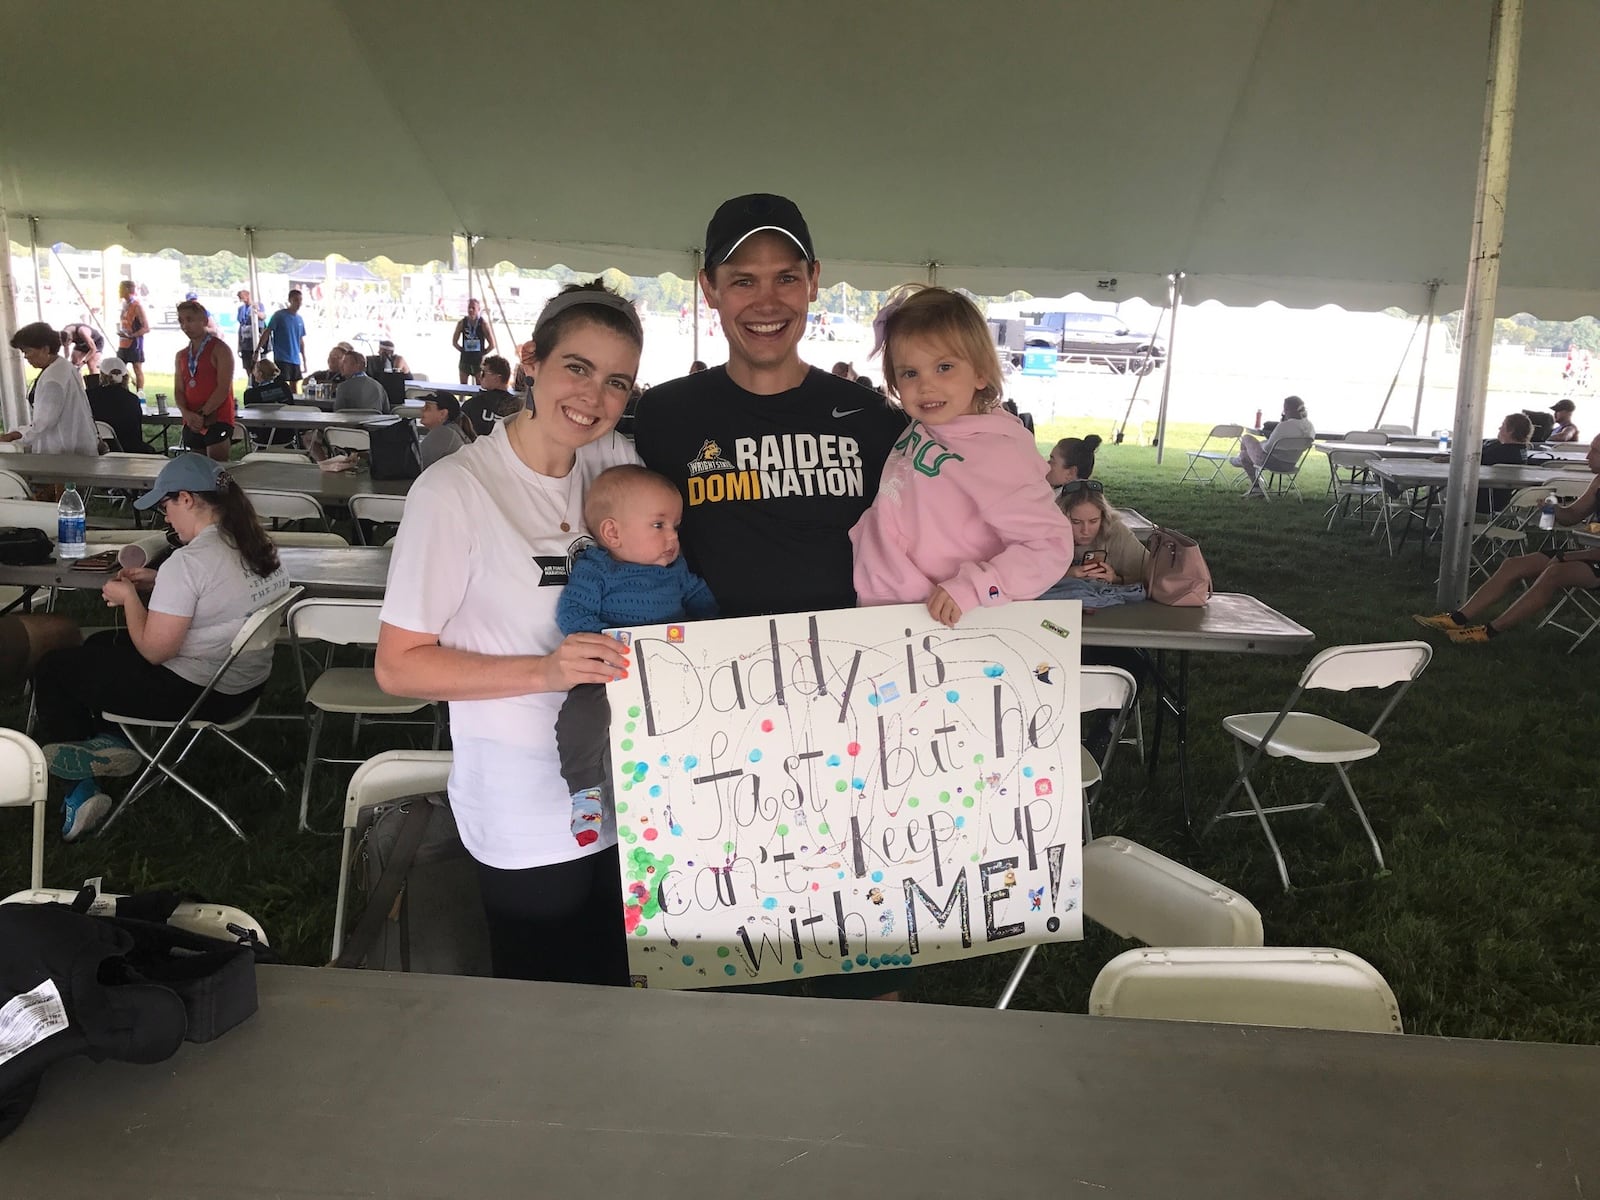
{"type": "Point", "coordinates": [1101, 339]}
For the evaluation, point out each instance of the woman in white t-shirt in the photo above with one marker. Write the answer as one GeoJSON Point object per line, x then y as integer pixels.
{"type": "Point", "coordinates": [61, 422]}
{"type": "Point", "coordinates": [174, 642]}
{"type": "Point", "coordinates": [469, 616]}
{"type": "Point", "coordinates": [1254, 454]}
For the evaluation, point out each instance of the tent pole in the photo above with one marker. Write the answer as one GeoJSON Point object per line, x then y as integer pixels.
{"type": "Point", "coordinates": [88, 309]}
{"type": "Point", "coordinates": [1477, 316]}
{"type": "Point", "coordinates": [33, 253]}
{"type": "Point", "coordinates": [1394, 380]}
{"type": "Point", "coordinates": [933, 274]}
{"type": "Point", "coordinates": [511, 334]}
{"type": "Point", "coordinates": [1121, 430]}
{"type": "Point", "coordinates": [694, 303]}
{"type": "Point", "coordinates": [469, 270]}
{"type": "Point", "coordinates": [255, 292]}
{"type": "Point", "coordinates": [1166, 380]}
{"type": "Point", "coordinates": [1427, 336]}
{"type": "Point", "coordinates": [13, 408]}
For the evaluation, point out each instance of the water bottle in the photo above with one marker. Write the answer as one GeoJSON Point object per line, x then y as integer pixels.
{"type": "Point", "coordinates": [1444, 441]}
{"type": "Point", "coordinates": [71, 527]}
{"type": "Point", "coordinates": [1547, 512]}
{"type": "Point", "coordinates": [1257, 425]}
{"type": "Point", "coordinates": [161, 403]}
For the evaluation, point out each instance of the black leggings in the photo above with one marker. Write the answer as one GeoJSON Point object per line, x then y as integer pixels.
{"type": "Point", "coordinates": [108, 674]}
{"type": "Point", "coordinates": [561, 923]}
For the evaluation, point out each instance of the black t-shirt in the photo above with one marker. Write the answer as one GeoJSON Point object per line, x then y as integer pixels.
{"type": "Point", "coordinates": [1499, 454]}
{"type": "Point", "coordinates": [274, 391]}
{"type": "Point", "coordinates": [771, 484]}
{"type": "Point", "coordinates": [119, 408]}
{"type": "Point", "coordinates": [484, 408]}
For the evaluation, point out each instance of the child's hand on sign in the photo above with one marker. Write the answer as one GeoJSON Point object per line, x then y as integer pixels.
{"type": "Point", "coordinates": [943, 609]}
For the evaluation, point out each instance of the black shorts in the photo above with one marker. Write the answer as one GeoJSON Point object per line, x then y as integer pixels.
{"type": "Point", "coordinates": [220, 432]}
{"type": "Point", "coordinates": [289, 372]}
{"type": "Point", "coordinates": [471, 364]}
{"type": "Point", "coordinates": [247, 353]}
{"type": "Point", "coordinates": [132, 354]}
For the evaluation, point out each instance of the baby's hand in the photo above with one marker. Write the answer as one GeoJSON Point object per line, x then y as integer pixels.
{"type": "Point", "coordinates": [943, 609]}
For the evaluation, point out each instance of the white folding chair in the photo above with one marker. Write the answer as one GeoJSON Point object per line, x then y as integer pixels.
{"type": "Point", "coordinates": [1103, 689]}
{"type": "Point", "coordinates": [281, 454]}
{"type": "Point", "coordinates": [14, 486]}
{"type": "Point", "coordinates": [1280, 473]}
{"type": "Point", "coordinates": [1506, 532]}
{"type": "Point", "coordinates": [1317, 739]}
{"type": "Point", "coordinates": [1216, 459]}
{"type": "Point", "coordinates": [23, 782]}
{"type": "Point", "coordinates": [279, 439]}
{"type": "Point", "coordinates": [350, 690]}
{"type": "Point", "coordinates": [1355, 487]}
{"type": "Point", "coordinates": [1401, 430]}
{"type": "Point", "coordinates": [108, 437]}
{"type": "Point", "coordinates": [349, 441]}
{"type": "Point", "coordinates": [380, 779]}
{"type": "Point", "coordinates": [1136, 893]}
{"type": "Point", "coordinates": [296, 537]}
{"type": "Point", "coordinates": [220, 921]}
{"type": "Point", "coordinates": [257, 634]}
{"type": "Point", "coordinates": [379, 510]}
{"type": "Point", "coordinates": [274, 505]}
{"type": "Point", "coordinates": [1582, 606]}
{"type": "Point", "coordinates": [1285, 986]}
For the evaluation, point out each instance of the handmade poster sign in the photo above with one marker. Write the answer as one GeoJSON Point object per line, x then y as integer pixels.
{"type": "Point", "coordinates": [847, 791]}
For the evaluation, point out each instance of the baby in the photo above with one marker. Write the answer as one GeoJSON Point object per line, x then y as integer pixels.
{"type": "Point", "coordinates": [632, 576]}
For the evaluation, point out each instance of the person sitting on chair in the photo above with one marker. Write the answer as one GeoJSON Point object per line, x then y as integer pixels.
{"type": "Point", "coordinates": [1563, 430]}
{"type": "Point", "coordinates": [1508, 448]}
{"type": "Point", "coordinates": [1071, 458]}
{"type": "Point", "coordinates": [1551, 574]}
{"type": "Point", "coordinates": [1254, 454]}
{"type": "Point", "coordinates": [493, 402]}
{"type": "Point", "coordinates": [110, 401]}
{"type": "Point", "coordinates": [181, 622]}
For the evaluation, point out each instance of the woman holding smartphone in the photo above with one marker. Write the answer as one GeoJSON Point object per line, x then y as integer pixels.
{"type": "Point", "coordinates": [1103, 548]}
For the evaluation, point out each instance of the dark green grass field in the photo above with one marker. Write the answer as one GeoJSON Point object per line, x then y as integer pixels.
{"type": "Point", "coordinates": [1484, 795]}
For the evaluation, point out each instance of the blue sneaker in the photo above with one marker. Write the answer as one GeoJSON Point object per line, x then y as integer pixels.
{"type": "Point", "coordinates": [104, 756]}
{"type": "Point", "coordinates": [85, 807]}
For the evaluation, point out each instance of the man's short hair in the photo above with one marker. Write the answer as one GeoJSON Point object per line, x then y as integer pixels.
{"type": "Point", "coordinates": [496, 364]}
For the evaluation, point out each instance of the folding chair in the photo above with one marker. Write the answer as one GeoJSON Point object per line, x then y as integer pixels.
{"type": "Point", "coordinates": [279, 439]}
{"type": "Point", "coordinates": [257, 634]}
{"type": "Point", "coordinates": [378, 510]}
{"type": "Point", "coordinates": [1286, 986]}
{"type": "Point", "coordinates": [1317, 739]}
{"type": "Point", "coordinates": [1356, 486]}
{"type": "Point", "coordinates": [1401, 430]}
{"type": "Point", "coordinates": [273, 505]}
{"type": "Point", "coordinates": [14, 487]}
{"type": "Point", "coordinates": [282, 454]}
{"type": "Point", "coordinates": [295, 537]}
{"type": "Point", "coordinates": [1103, 689]}
{"type": "Point", "coordinates": [23, 781]}
{"type": "Point", "coordinates": [107, 436]}
{"type": "Point", "coordinates": [1216, 458]}
{"type": "Point", "coordinates": [1136, 893]}
{"type": "Point", "coordinates": [220, 921]}
{"type": "Point", "coordinates": [349, 441]}
{"type": "Point", "coordinates": [351, 690]}
{"type": "Point", "coordinates": [1506, 532]}
{"type": "Point", "coordinates": [380, 779]}
{"type": "Point", "coordinates": [1282, 468]}
{"type": "Point", "coordinates": [1585, 614]}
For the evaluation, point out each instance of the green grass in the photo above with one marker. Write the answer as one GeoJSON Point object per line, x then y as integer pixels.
{"type": "Point", "coordinates": [1484, 796]}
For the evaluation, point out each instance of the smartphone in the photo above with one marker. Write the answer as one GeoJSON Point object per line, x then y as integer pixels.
{"type": "Point", "coordinates": [106, 560]}
{"type": "Point", "coordinates": [1093, 556]}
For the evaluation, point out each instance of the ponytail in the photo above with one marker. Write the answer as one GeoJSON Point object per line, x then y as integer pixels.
{"type": "Point", "coordinates": [240, 527]}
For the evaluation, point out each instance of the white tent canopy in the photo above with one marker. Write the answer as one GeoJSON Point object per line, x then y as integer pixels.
{"type": "Point", "coordinates": [1295, 150]}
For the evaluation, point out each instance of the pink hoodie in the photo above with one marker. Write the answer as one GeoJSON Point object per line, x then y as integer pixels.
{"type": "Point", "coordinates": [965, 506]}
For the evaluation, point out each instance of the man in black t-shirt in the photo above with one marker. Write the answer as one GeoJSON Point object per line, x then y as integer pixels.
{"type": "Point", "coordinates": [494, 401]}
{"type": "Point", "coordinates": [776, 460]}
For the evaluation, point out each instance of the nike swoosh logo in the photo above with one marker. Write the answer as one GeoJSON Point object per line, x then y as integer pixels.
{"type": "Point", "coordinates": [849, 412]}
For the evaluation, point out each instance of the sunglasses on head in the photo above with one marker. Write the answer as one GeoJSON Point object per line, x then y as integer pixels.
{"type": "Point", "coordinates": [1073, 486]}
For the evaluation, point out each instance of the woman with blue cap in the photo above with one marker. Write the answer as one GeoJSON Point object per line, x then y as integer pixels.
{"type": "Point", "coordinates": [178, 628]}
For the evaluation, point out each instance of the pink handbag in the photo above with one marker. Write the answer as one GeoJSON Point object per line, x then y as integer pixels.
{"type": "Point", "coordinates": [1176, 573]}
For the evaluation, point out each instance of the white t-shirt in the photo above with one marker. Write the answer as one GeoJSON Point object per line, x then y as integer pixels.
{"type": "Point", "coordinates": [480, 561]}
{"type": "Point", "coordinates": [61, 421]}
{"type": "Point", "coordinates": [210, 584]}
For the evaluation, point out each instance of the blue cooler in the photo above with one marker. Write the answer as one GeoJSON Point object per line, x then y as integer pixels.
{"type": "Point", "coordinates": [1039, 360]}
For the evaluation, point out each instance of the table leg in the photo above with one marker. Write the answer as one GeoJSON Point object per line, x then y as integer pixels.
{"type": "Point", "coordinates": [1172, 696]}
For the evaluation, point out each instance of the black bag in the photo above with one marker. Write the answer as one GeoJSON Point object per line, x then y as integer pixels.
{"type": "Point", "coordinates": [25, 547]}
{"type": "Point", "coordinates": [394, 449]}
{"type": "Point", "coordinates": [423, 910]}
{"type": "Point", "coordinates": [117, 987]}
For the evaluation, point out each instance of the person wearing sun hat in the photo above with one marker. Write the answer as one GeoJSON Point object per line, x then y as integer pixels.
{"type": "Point", "coordinates": [1564, 430]}
{"type": "Point", "coordinates": [178, 625]}
{"type": "Point", "coordinates": [111, 401]}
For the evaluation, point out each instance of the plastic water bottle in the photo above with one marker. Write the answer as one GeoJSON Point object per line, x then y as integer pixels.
{"type": "Point", "coordinates": [1444, 441]}
{"type": "Point", "coordinates": [1547, 512]}
{"type": "Point", "coordinates": [71, 527]}
{"type": "Point", "coordinates": [1257, 425]}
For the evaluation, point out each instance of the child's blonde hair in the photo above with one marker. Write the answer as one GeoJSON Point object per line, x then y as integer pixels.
{"type": "Point", "coordinates": [918, 310]}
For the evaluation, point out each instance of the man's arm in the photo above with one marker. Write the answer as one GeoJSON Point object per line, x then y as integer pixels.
{"type": "Point", "coordinates": [488, 335]}
{"type": "Point", "coordinates": [455, 338]}
{"type": "Point", "coordinates": [223, 358]}
{"type": "Point", "coordinates": [1580, 509]}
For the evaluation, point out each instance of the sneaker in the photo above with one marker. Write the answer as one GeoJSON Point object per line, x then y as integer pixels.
{"type": "Point", "coordinates": [1442, 621]}
{"type": "Point", "coordinates": [104, 756]}
{"type": "Point", "coordinates": [1464, 635]}
{"type": "Point", "coordinates": [85, 807]}
{"type": "Point", "coordinates": [1255, 494]}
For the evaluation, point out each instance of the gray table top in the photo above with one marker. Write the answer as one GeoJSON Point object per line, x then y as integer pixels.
{"type": "Point", "coordinates": [1138, 524]}
{"type": "Point", "coordinates": [88, 470]}
{"type": "Point", "coordinates": [273, 416]}
{"type": "Point", "coordinates": [359, 571]}
{"type": "Point", "coordinates": [1409, 473]}
{"type": "Point", "coordinates": [421, 387]}
{"type": "Point", "coordinates": [354, 1083]}
{"type": "Point", "coordinates": [1229, 622]}
{"type": "Point", "coordinates": [1560, 453]}
{"type": "Point", "coordinates": [328, 486]}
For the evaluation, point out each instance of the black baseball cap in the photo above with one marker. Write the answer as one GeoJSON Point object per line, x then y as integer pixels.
{"type": "Point", "coordinates": [738, 218]}
{"type": "Point", "coordinates": [1563, 406]}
